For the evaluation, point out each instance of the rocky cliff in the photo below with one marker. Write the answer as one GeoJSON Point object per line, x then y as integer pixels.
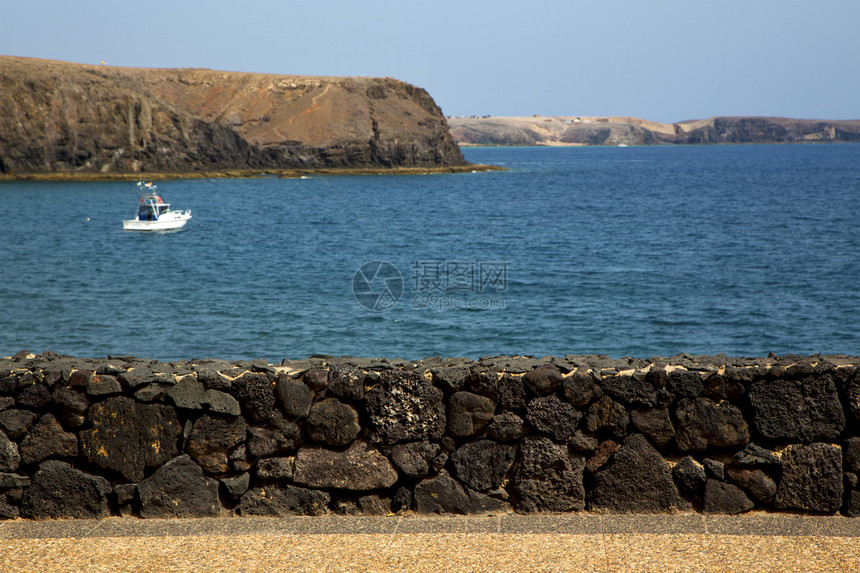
{"type": "Point", "coordinates": [540, 130]}
{"type": "Point", "coordinates": [58, 117]}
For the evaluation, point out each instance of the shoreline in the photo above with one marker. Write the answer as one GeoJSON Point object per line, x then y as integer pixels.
{"type": "Point", "coordinates": [249, 173]}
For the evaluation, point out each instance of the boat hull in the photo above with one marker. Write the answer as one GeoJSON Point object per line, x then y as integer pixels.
{"type": "Point", "coordinates": [162, 224]}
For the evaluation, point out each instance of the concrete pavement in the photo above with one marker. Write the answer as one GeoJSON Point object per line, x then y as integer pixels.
{"type": "Point", "coordinates": [577, 542]}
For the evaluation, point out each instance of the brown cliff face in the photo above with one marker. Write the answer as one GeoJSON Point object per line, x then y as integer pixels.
{"type": "Point", "coordinates": [59, 117]}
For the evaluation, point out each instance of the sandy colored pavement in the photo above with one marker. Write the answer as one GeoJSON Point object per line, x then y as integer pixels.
{"type": "Point", "coordinates": [581, 542]}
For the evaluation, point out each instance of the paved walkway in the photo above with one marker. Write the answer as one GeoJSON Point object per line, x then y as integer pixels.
{"type": "Point", "coordinates": [580, 542]}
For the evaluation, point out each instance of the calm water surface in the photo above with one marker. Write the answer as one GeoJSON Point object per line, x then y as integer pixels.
{"type": "Point", "coordinates": [635, 251]}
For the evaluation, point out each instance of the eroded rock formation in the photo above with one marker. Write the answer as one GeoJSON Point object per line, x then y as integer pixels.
{"type": "Point", "coordinates": [60, 117]}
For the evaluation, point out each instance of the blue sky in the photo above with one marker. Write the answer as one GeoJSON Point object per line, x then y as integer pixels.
{"type": "Point", "coordinates": [665, 60]}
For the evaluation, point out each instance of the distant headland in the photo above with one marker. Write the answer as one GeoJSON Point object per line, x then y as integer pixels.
{"type": "Point", "coordinates": [581, 130]}
{"type": "Point", "coordinates": [63, 120]}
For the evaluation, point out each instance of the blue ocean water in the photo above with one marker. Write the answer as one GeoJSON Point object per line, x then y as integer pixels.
{"type": "Point", "coordinates": [636, 251]}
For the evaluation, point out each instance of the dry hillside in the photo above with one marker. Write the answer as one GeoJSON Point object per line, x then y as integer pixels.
{"type": "Point", "coordinates": [58, 117]}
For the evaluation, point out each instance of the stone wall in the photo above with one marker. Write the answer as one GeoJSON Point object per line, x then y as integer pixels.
{"type": "Point", "coordinates": [90, 438]}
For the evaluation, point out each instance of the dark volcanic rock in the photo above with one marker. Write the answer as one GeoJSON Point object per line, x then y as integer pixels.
{"type": "Point", "coordinates": [443, 494]}
{"type": "Point", "coordinates": [404, 406]}
{"type": "Point", "coordinates": [283, 501]}
{"type": "Point", "coordinates": [346, 382]}
{"type": "Point", "coordinates": [469, 414]}
{"type": "Point", "coordinates": [684, 383]}
{"type": "Point", "coordinates": [191, 394]}
{"type": "Point", "coordinates": [10, 458]}
{"type": "Point", "coordinates": [128, 436]}
{"type": "Point", "coordinates": [851, 455]}
{"type": "Point", "coordinates": [47, 438]}
{"type": "Point", "coordinates": [582, 442]}
{"type": "Point", "coordinates": [630, 390]}
{"type": "Point", "coordinates": [512, 392]}
{"type": "Point", "coordinates": [414, 458]}
{"type": "Point", "coordinates": [60, 491]}
{"type": "Point", "coordinates": [811, 478]}
{"type": "Point", "coordinates": [543, 380]}
{"type": "Point", "coordinates": [548, 478]}
{"type": "Point", "coordinates": [689, 475]}
{"type": "Point", "coordinates": [402, 500]}
{"type": "Point", "coordinates": [16, 422]}
{"type": "Point", "coordinates": [278, 437]}
{"type": "Point", "coordinates": [179, 489]}
{"type": "Point", "coordinates": [852, 504]}
{"type": "Point", "coordinates": [7, 510]}
{"type": "Point", "coordinates": [152, 393]}
{"type": "Point", "coordinates": [9, 481]}
{"type": "Point", "coordinates": [34, 397]}
{"type": "Point", "coordinates": [804, 410]}
{"type": "Point", "coordinates": [450, 379]}
{"type": "Point", "coordinates": [333, 422]}
{"type": "Point", "coordinates": [276, 468]}
{"type": "Point", "coordinates": [237, 486]}
{"type": "Point", "coordinates": [255, 393]}
{"type": "Point", "coordinates": [373, 505]}
{"type": "Point", "coordinates": [723, 388]}
{"type": "Point", "coordinates": [221, 403]}
{"type": "Point", "coordinates": [721, 497]}
{"type": "Point", "coordinates": [211, 440]}
{"type": "Point", "coordinates": [80, 378]}
{"type": "Point", "coordinates": [359, 468]}
{"type": "Point", "coordinates": [104, 386]}
{"type": "Point", "coordinates": [854, 399]}
{"type": "Point", "coordinates": [485, 384]}
{"type": "Point", "coordinates": [715, 469]}
{"type": "Point", "coordinates": [295, 396]}
{"type": "Point", "coordinates": [654, 423]}
{"type": "Point", "coordinates": [482, 465]}
{"type": "Point", "coordinates": [607, 415]}
{"type": "Point", "coordinates": [125, 495]}
{"type": "Point", "coordinates": [71, 406]}
{"type": "Point", "coordinates": [316, 378]}
{"type": "Point", "coordinates": [554, 417]}
{"type": "Point", "coordinates": [580, 389]}
{"type": "Point", "coordinates": [211, 378]}
{"type": "Point", "coordinates": [754, 455]}
{"type": "Point", "coordinates": [506, 427]}
{"type": "Point", "coordinates": [143, 375]}
{"type": "Point", "coordinates": [702, 423]}
{"type": "Point", "coordinates": [364, 505]}
{"type": "Point", "coordinates": [757, 483]}
{"type": "Point", "coordinates": [602, 454]}
{"type": "Point", "coordinates": [639, 481]}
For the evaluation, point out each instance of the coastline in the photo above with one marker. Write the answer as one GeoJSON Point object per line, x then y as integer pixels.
{"type": "Point", "coordinates": [248, 173]}
{"type": "Point", "coordinates": [613, 130]}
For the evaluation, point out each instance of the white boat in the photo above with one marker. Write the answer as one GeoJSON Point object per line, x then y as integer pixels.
{"type": "Point", "coordinates": [153, 214]}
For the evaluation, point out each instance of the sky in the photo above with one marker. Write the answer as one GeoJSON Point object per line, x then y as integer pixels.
{"type": "Point", "coordinates": [663, 60]}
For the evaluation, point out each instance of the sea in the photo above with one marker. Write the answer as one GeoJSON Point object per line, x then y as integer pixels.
{"type": "Point", "coordinates": [638, 251]}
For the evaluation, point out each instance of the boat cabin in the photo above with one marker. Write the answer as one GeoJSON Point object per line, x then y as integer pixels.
{"type": "Point", "coordinates": [151, 208]}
